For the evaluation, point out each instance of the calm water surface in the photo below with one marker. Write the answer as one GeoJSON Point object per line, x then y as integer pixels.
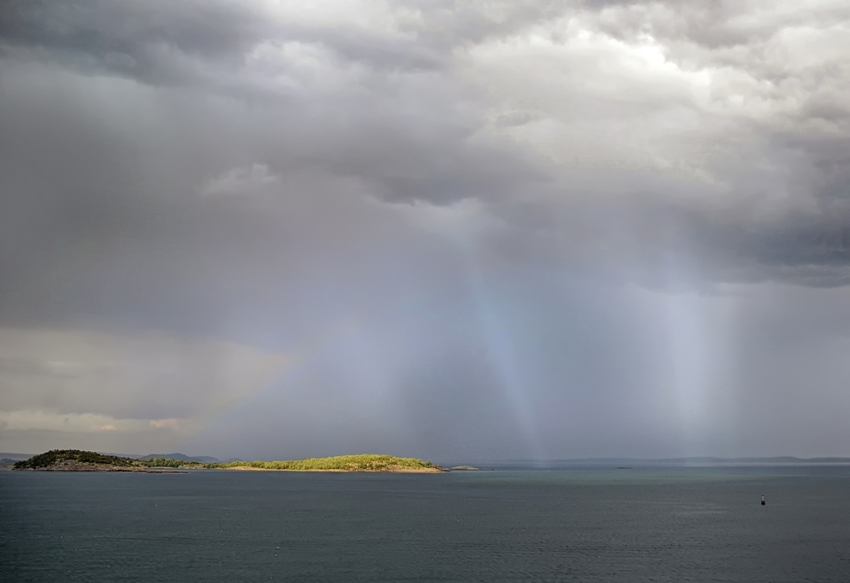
{"type": "Point", "coordinates": [687, 524]}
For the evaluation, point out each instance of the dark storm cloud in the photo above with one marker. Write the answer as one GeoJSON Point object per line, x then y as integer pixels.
{"type": "Point", "coordinates": [402, 160]}
{"type": "Point", "coordinates": [138, 39]}
{"type": "Point", "coordinates": [494, 229]}
{"type": "Point", "coordinates": [151, 40]}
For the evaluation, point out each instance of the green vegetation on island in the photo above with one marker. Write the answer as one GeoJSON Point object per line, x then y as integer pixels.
{"type": "Point", "coordinates": [74, 460]}
{"type": "Point", "coordinates": [61, 458]}
{"type": "Point", "coordinates": [160, 462]}
{"type": "Point", "coordinates": [345, 463]}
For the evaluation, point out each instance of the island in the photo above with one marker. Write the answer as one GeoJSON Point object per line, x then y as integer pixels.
{"type": "Point", "coordinates": [340, 463]}
{"type": "Point", "coordinates": [74, 460]}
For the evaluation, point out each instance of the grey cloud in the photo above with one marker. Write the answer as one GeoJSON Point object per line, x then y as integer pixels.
{"type": "Point", "coordinates": [148, 40]}
{"type": "Point", "coordinates": [136, 376]}
{"type": "Point", "coordinates": [477, 234]}
{"type": "Point", "coordinates": [660, 244]}
{"type": "Point", "coordinates": [29, 367]}
{"type": "Point", "coordinates": [139, 39]}
{"type": "Point", "coordinates": [403, 160]}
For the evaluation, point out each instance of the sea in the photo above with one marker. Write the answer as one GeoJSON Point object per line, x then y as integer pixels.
{"type": "Point", "coordinates": [586, 524]}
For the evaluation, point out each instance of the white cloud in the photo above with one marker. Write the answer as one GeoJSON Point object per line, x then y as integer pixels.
{"type": "Point", "coordinates": [164, 423]}
{"type": "Point", "coordinates": [241, 180]}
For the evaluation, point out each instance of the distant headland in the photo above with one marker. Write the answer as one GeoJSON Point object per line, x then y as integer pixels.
{"type": "Point", "coordinates": [74, 460]}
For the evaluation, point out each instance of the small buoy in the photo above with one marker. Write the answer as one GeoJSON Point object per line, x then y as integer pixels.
{"type": "Point", "coordinates": [762, 500]}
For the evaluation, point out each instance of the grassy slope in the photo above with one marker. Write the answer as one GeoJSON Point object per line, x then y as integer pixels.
{"type": "Point", "coordinates": [351, 463]}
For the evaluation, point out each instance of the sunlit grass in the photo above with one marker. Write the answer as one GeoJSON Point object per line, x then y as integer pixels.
{"type": "Point", "coordinates": [351, 463]}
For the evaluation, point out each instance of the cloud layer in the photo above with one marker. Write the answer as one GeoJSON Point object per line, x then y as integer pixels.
{"type": "Point", "coordinates": [492, 229]}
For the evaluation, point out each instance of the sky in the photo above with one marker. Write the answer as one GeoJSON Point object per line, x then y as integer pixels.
{"type": "Point", "coordinates": [456, 230]}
